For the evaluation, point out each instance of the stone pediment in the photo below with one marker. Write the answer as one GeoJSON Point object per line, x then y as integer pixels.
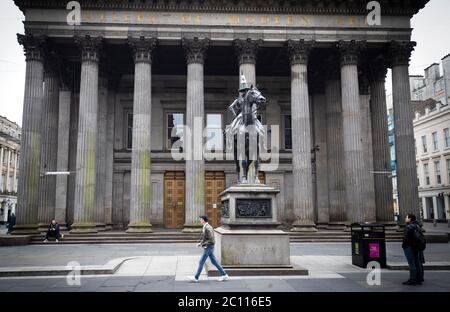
{"type": "Point", "coordinates": [388, 7]}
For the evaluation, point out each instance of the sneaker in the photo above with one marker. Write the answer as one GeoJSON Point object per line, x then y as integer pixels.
{"type": "Point", "coordinates": [224, 278]}
{"type": "Point", "coordinates": [192, 279]}
{"type": "Point", "coordinates": [45, 240]}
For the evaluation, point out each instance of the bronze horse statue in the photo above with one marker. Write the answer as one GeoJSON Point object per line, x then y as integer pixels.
{"type": "Point", "coordinates": [245, 131]}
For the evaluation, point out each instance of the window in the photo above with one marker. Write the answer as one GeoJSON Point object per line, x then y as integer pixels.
{"type": "Point", "coordinates": [447, 137]}
{"type": "Point", "coordinates": [435, 141]}
{"type": "Point", "coordinates": [129, 130]}
{"type": "Point", "coordinates": [438, 86]}
{"type": "Point", "coordinates": [415, 146]}
{"type": "Point", "coordinates": [214, 132]}
{"type": "Point", "coordinates": [424, 144]}
{"type": "Point", "coordinates": [426, 173]}
{"type": "Point", "coordinates": [448, 171]}
{"type": "Point", "coordinates": [437, 170]}
{"type": "Point", "coordinates": [287, 132]}
{"type": "Point", "coordinates": [174, 121]}
{"type": "Point", "coordinates": [418, 179]}
{"type": "Point", "coordinates": [2, 183]}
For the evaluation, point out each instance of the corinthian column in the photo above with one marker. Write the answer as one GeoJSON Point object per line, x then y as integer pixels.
{"type": "Point", "coordinates": [195, 167]}
{"type": "Point", "coordinates": [335, 148]}
{"type": "Point", "coordinates": [30, 160]}
{"type": "Point", "coordinates": [49, 133]}
{"type": "Point", "coordinates": [247, 51]}
{"type": "Point", "coordinates": [408, 196]}
{"type": "Point", "coordinates": [380, 141]}
{"type": "Point", "coordinates": [62, 157]}
{"type": "Point", "coordinates": [141, 182]}
{"type": "Point", "coordinates": [353, 148]}
{"type": "Point", "coordinates": [369, 210]}
{"type": "Point", "coordinates": [85, 185]}
{"type": "Point", "coordinates": [301, 137]}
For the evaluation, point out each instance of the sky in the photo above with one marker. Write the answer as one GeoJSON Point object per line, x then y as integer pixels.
{"type": "Point", "coordinates": [431, 28]}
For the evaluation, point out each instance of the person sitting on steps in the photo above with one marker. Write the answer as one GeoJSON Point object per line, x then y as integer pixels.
{"type": "Point", "coordinates": [53, 231]}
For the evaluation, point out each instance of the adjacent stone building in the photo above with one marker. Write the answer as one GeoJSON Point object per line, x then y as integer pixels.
{"type": "Point", "coordinates": [434, 84]}
{"type": "Point", "coordinates": [10, 133]}
{"type": "Point", "coordinates": [119, 86]}
{"type": "Point", "coordinates": [432, 135]}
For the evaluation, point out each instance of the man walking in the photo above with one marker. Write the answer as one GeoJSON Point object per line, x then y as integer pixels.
{"type": "Point", "coordinates": [207, 243]}
{"type": "Point", "coordinates": [410, 248]}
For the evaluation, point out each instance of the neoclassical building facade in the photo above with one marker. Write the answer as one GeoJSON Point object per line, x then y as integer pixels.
{"type": "Point", "coordinates": [10, 133]}
{"type": "Point", "coordinates": [120, 82]}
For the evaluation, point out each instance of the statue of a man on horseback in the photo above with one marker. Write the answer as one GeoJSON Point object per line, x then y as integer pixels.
{"type": "Point", "coordinates": [245, 131]}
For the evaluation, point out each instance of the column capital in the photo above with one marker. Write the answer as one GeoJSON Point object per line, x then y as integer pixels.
{"type": "Point", "coordinates": [91, 47]}
{"type": "Point", "coordinates": [34, 46]}
{"type": "Point", "coordinates": [400, 52]}
{"type": "Point", "coordinates": [349, 51]}
{"type": "Point", "coordinates": [378, 68]}
{"type": "Point", "coordinates": [299, 51]}
{"type": "Point", "coordinates": [195, 49]}
{"type": "Point", "coordinates": [142, 48]}
{"type": "Point", "coordinates": [247, 50]}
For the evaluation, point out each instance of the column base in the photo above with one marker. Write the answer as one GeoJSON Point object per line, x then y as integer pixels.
{"type": "Point", "coordinates": [303, 226]}
{"type": "Point", "coordinates": [139, 228]}
{"type": "Point", "coordinates": [109, 227]}
{"type": "Point", "coordinates": [389, 225]}
{"type": "Point", "coordinates": [192, 228]}
{"type": "Point", "coordinates": [338, 226]}
{"type": "Point", "coordinates": [25, 229]}
{"type": "Point", "coordinates": [100, 227]}
{"type": "Point", "coordinates": [83, 228]}
{"type": "Point", "coordinates": [43, 227]}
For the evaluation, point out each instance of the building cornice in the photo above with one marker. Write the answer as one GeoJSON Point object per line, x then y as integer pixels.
{"type": "Point", "coordinates": [431, 116]}
{"type": "Point", "coordinates": [355, 7]}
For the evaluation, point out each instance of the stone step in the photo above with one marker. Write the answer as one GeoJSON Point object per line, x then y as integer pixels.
{"type": "Point", "coordinates": [179, 237]}
{"type": "Point", "coordinates": [155, 241]}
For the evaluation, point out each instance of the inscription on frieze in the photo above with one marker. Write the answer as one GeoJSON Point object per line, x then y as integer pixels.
{"type": "Point", "coordinates": [253, 208]}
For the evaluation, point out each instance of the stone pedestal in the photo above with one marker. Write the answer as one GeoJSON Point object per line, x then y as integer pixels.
{"type": "Point", "coordinates": [248, 240]}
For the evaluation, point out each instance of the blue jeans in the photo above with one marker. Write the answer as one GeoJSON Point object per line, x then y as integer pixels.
{"type": "Point", "coordinates": [208, 252]}
{"type": "Point", "coordinates": [414, 263]}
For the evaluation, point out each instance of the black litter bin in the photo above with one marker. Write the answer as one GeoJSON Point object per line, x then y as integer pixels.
{"type": "Point", "coordinates": [368, 244]}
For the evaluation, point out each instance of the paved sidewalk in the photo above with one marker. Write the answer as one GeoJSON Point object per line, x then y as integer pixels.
{"type": "Point", "coordinates": [165, 267]}
{"type": "Point", "coordinates": [60, 255]}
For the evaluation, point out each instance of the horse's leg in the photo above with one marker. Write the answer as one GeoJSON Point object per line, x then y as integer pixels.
{"type": "Point", "coordinates": [244, 169]}
{"type": "Point", "coordinates": [256, 161]}
{"type": "Point", "coordinates": [244, 161]}
{"type": "Point", "coordinates": [236, 160]}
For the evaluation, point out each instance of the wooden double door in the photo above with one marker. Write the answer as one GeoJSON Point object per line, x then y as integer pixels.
{"type": "Point", "coordinates": [174, 197]}
{"type": "Point", "coordinates": [214, 185]}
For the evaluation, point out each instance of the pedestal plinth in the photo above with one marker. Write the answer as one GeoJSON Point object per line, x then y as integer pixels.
{"type": "Point", "coordinates": [248, 242]}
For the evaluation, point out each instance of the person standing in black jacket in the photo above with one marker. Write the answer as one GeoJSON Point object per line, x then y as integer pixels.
{"type": "Point", "coordinates": [413, 256]}
{"type": "Point", "coordinates": [11, 223]}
